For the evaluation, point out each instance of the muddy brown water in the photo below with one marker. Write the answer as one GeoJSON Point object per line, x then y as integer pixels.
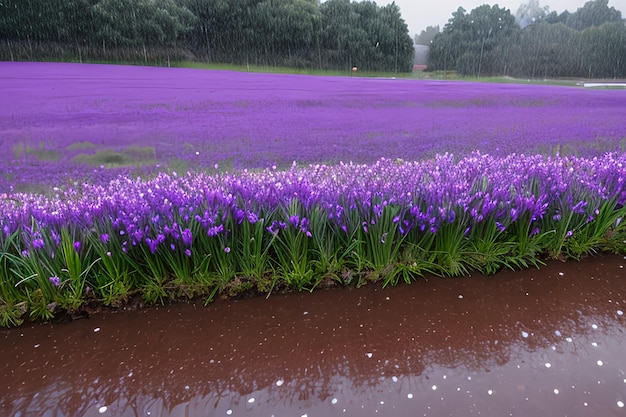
{"type": "Point", "coordinates": [549, 342]}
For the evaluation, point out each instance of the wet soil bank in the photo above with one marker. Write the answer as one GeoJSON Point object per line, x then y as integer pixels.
{"type": "Point", "coordinates": [549, 342]}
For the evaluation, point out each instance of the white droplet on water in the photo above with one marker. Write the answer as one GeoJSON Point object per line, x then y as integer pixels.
{"type": "Point", "coordinates": [558, 333]}
{"type": "Point", "coordinates": [409, 396]}
{"type": "Point", "coordinates": [251, 400]}
{"type": "Point", "coordinates": [229, 411]}
{"type": "Point", "coordinates": [568, 339]}
{"type": "Point", "coordinates": [556, 391]}
{"type": "Point", "coordinates": [368, 354]}
{"type": "Point", "coordinates": [394, 378]}
{"type": "Point", "coordinates": [334, 401]}
{"type": "Point", "coordinates": [600, 363]}
{"type": "Point", "coordinates": [620, 404]}
{"type": "Point", "coordinates": [434, 387]}
{"type": "Point", "coordinates": [490, 392]}
{"type": "Point", "coordinates": [102, 409]}
{"type": "Point", "coordinates": [279, 382]}
{"type": "Point", "coordinates": [594, 326]}
{"type": "Point", "coordinates": [620, 313]}
{"type": "Point", "coordinates": [548, 365]}
{"type": "Point", "coordinates": [524, 335]}
{"type": "Point", "coordinates": [96, 330]}
{"type": "Point", "coordinates": [594, 344]}
{"type": "Point", "coordinates": [460, 296]}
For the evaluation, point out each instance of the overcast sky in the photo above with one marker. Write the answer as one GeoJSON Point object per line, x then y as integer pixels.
{"type": "Point", "coordinates": [421, 13]}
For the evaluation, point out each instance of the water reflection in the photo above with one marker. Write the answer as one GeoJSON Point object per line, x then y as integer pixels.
{"type": "Point", "coordinates": [523, 343]}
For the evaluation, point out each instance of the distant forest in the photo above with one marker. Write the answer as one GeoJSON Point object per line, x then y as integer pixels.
{"type": "Point", "coordinates": [535, 43]}
{"type": "Point", "coordinates": [336, 34]}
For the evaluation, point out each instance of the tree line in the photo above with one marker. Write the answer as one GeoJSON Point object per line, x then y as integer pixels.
{"type": "Point", "coordinates": [336, 34]}
{"type": "Point", "coordinates": [590, 42]}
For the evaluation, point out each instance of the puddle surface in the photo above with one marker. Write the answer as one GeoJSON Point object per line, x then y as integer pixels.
{"type": "Point", "coordinates": [530, 343]}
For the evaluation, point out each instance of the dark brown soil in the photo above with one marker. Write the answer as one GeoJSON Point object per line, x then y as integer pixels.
{"type": "Point", "coordinates": [546, 342]}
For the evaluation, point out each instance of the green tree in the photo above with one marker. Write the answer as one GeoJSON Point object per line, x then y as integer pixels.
{"type": "Point", "coordinates": [426, 35]}
{"type": "Point", "coordinates": [141, 22]}
{"type": "Point", "coordinates": [546, 51]}
{"type": "Point", "coordinates": [604, 51]}
{"type": "Point", "coordinates": [364, 35]}
{"type": "Point", "coordinates": [593, 13]}
{"type": "Point", "coordinates": [286, 29]}
{"type": "Point", "coordinates": [45, 20]}
{"type": "Point", "coordinates": [468, 42]}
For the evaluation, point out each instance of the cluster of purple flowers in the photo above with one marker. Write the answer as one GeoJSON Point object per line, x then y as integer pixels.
{"type": "Point", "coordinates": [173, 211]}
{"type": "Point", "coordinates": [247, 120]}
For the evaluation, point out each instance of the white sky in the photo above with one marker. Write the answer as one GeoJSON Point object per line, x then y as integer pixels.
{"type": "Point", "coordinates": [421, 13]}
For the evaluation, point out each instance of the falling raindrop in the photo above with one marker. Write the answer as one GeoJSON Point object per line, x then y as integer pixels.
{"type": "Point", "coordinates": [600, 363]}
{"type": "Point", "coordinates": [102, 409]}
{"type": "Point", "coordinates": [96, 330]}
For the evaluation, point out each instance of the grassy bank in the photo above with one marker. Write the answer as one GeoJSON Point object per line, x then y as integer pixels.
{"type": "Point", "coordinates": [203, 235]}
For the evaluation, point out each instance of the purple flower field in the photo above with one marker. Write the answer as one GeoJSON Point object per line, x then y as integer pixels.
{"type": "Point", "coordinates": [189, 118]}
{"type": "Point", "coordinates": [337, 179]}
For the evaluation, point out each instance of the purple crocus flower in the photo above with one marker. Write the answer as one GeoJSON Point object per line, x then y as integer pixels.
{"type": "Point", "coordinates": [77, 246]}
{"type": "Point", "coordinates": [294, 220]}
{"type": "Point", "coordinates": [152, 244]}
{"type": "Point", "coordinates": [104, 238]}
{"type": "Point", "coordinates": [38, 243]}
{"type": "Point", "coordinates": [55, 281]}
{"type": "Point", "coordinates": [187, 237]}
